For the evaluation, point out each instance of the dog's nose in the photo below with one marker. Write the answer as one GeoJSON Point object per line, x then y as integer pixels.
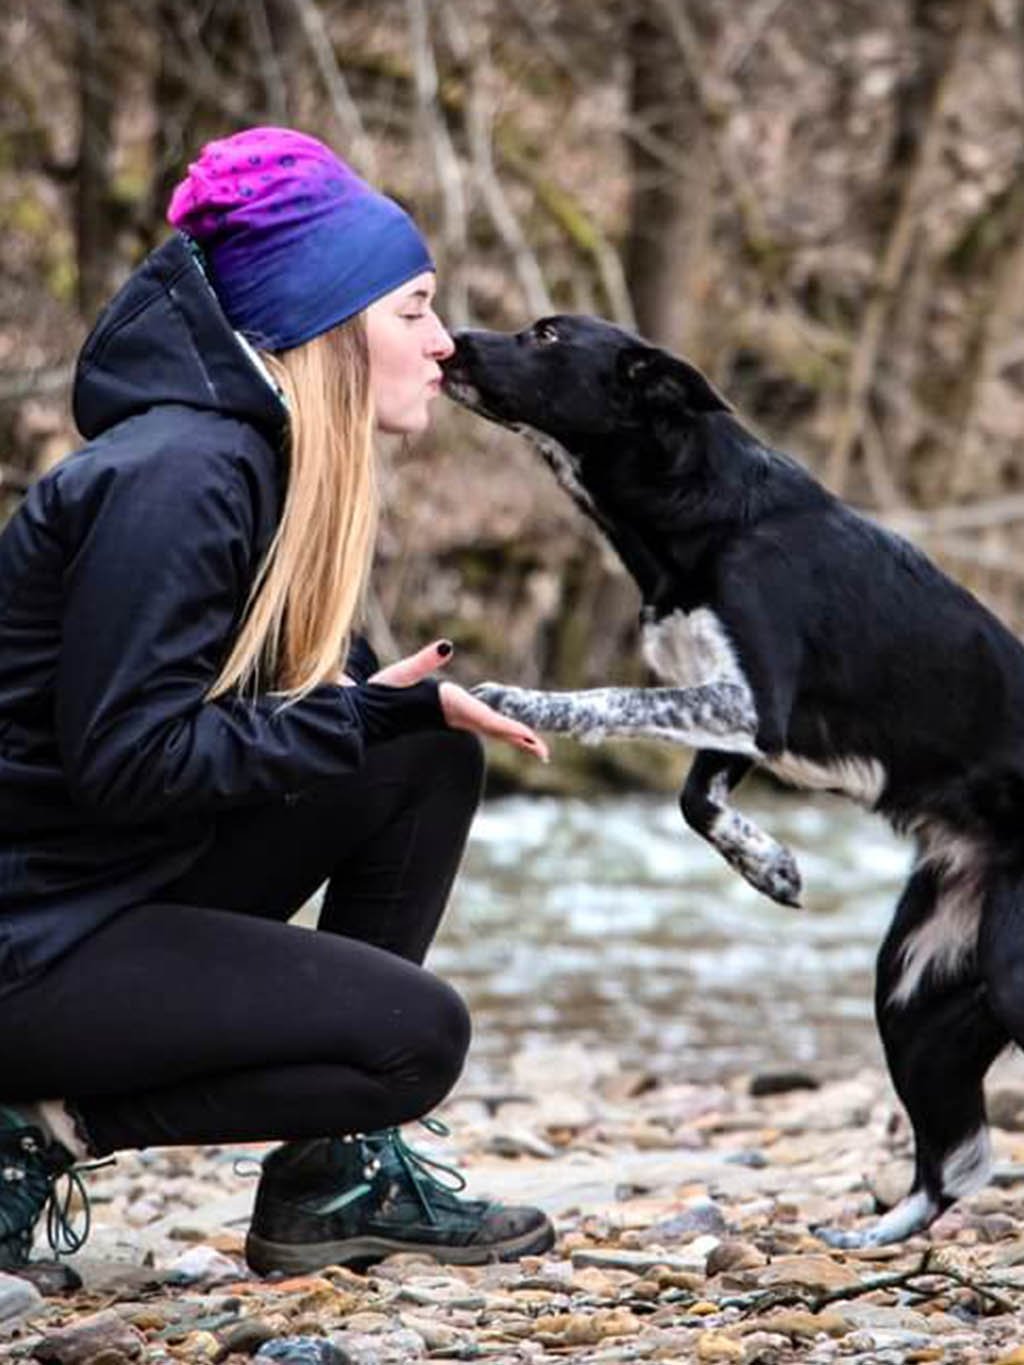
{"type": "Point", "coordinates": [451, 364]}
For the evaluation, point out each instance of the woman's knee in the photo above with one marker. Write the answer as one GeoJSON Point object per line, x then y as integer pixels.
{"type": "Point", "coordinates": [438, 1037]}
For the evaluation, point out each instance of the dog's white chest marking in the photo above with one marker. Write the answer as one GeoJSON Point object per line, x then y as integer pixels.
{"type": "Point", "coordinates": [560, 462]}
{"type": "Point", "coordinates": [862, 779]}
{"type": "Point", "coordinates": [689, 649]}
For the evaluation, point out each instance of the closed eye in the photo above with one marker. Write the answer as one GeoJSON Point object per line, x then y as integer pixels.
{"type": "Point", "coordinates": [545, 334]}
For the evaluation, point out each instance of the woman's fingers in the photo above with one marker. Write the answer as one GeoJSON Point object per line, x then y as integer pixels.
{"type": "Point", "coordinates": [465, 712]}
{"type": "Point", "coordinates": [415, 667]}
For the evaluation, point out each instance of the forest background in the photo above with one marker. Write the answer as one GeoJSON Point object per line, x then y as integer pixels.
{"type": "Point", "coordinates": [819, 204]}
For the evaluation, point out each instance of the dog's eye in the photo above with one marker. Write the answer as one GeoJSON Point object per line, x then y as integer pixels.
{"type": "Point", "coordinates": [545, 334]}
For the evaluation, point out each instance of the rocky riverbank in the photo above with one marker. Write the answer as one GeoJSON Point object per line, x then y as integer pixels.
{"type": "Point", "coordinates": [684, 1216]}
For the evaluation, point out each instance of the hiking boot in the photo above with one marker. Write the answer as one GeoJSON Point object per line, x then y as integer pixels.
{"type": "Point", "coordinates": [353, 1201]}
{"type": "Point", "coordinates": [30, 1165]}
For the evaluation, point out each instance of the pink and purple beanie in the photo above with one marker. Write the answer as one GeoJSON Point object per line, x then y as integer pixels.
{"type": "Point", "coordinates": [296, 242]}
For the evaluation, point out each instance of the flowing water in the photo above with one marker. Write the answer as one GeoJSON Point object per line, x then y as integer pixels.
{"type": "Point", "coordinates": [608, 922]}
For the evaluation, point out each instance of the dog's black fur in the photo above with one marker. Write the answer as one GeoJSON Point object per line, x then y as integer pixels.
{"type": "Point", "coordinates": [795, 634]}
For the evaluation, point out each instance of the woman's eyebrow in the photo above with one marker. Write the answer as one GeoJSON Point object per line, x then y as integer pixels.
{"type": "Point", "coordinates": [418, 294]}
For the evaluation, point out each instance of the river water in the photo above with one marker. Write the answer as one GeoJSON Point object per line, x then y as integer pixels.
{"type": "Point", "coordinates": [606, 921]}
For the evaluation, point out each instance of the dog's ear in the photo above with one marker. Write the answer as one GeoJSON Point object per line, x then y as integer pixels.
{"type": "Point", "coordinates": [663, 383]}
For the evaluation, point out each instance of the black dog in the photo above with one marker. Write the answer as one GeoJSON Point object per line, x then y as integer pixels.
{"type": "Point", "coordinates": [796, 635]}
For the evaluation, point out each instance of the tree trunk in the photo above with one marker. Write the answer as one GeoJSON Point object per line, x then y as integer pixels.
{"type": "Point", "coordinates": [95, 226]}
{"type": "Point", "coordinates": [666, 231]}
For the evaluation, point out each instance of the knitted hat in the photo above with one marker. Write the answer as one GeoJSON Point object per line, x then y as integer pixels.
{"type": "Point", "coordinates": [296, 242]}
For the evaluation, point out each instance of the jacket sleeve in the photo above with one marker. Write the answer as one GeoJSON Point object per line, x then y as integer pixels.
{"type": "Point", "coordinates": [159, 567]}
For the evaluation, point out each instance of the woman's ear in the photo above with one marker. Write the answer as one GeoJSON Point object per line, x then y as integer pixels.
{"type": "Point", "coordinates": [658, 381]}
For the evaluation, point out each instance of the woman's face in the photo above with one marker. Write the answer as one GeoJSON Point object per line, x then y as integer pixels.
{"type": "Point", "coordinates": [407, 344]}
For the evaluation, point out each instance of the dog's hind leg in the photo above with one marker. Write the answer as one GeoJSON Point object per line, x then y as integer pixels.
{"type": "Point", "coordinates": [767, 865]}
{"type": "Point", "coordinates": [1001, 952]}
{"type": "Point", "coordinates": [713, 715]}
{"type": "Point", "coordinates": [939, 1042]}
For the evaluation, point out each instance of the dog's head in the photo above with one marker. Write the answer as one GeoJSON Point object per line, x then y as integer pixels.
{"type": "Point", "coordinates": [576, 379]}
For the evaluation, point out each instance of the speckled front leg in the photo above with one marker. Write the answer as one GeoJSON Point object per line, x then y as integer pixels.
{"type": "Point", "coordinates": [716, 715]}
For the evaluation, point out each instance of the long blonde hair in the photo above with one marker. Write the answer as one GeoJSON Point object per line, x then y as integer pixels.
{"type": "Point", "coordinates": [309, 589]}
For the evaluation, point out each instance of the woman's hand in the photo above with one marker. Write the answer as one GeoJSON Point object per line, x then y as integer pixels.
{"type": "Point", "coordinates": [461, 711]}
{"type": "Point", "coordinates": [465, 712]}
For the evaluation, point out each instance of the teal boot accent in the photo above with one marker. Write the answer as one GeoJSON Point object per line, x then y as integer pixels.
{"type": "Point", "coordinates": [338, 1201]}
{"type": "Point", "coordinates": [30, 1166]}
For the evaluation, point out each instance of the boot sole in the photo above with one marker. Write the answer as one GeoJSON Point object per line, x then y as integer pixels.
{"type": "Point", "coordinates": [297, 1258]}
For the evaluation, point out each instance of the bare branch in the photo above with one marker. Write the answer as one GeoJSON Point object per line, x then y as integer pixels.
{"type": "Point", "coordinates": [895, 255]}
{"type": "Point", "coordinates": [358, 147]}
{"type": "Point", "coordinates": [764, 16]}
{"type": "Point", "coordinates": [16, 386]}
{"type": "Point", "coordinates": [454, 221]}
{"type": "Point", "coordinates": [479, 123]}
{"type": "Point", "coordinates": [273, 76]}
{"type": "Point", "coordinates": [714, 115]}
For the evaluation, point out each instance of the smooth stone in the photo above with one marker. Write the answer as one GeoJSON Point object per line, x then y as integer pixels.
{"type": "Point", "coordinates": [302, 1351]}
{"type": "Point", "coordinates": [781, 1083]}
{"type": "Point", "coordinates": [734, 1255]}
{"type": "Point", "coordinates": [876, 1315]}
{"type": "Point", "coordinates": [881, 1339]}
{"type": "Point", "coordinates": [358, 1348]}
{"type": "Point", "coordinates": [103, 1333]}
{"type": "Point", "coordinates": [700, 1215]}
{"type": "Point", "coordinates": [812, 1272]}
{"type": "Point", "coordinates": [248, 1336]}
{"type": "Point", "coordinates": [18, 1297]}
{"type": "Point", "coordinates": [716, 1346]}
{"type": "Point", "coordinates": [639, 1262]}
{"type": "Point", "coordinates": [51, 1278]}
{"type": "Point", "coordinates": [204, 1265]}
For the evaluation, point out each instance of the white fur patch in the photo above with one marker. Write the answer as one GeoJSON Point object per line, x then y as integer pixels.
{"type": "Point", "coordinates": [862, 779]}
{"type": "Point", "coordinates": [948, 937]}
{"type": "Point", "coordinates": [967, 1167]}
{"type": "Point", "coordinates": [688, 649]}
{"type": "Point", "coordinates": [910, 1215]}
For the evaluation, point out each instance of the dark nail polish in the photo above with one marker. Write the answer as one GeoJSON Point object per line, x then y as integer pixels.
{"type": "Point", "coordinates": [444, 648]}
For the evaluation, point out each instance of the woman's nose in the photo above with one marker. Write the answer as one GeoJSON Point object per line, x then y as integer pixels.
{"type": "Point", "coordinates": [441, 343]}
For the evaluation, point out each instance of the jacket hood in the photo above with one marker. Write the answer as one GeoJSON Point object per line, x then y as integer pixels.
{"type": "Point", "coordinates": [163, 338]}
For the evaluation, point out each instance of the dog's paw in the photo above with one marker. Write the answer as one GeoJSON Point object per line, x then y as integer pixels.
{"type": "Point", "coordinates": [776, 876]}
{"type": "Point", "coordinates": [492, 694]}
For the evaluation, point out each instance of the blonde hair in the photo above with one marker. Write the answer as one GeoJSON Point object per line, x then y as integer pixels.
{"type": "Point", "coordinates": [309, 588]}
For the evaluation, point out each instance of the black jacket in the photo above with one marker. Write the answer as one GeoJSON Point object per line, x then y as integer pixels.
{"type": "Point", "coordinates": [123, 576]}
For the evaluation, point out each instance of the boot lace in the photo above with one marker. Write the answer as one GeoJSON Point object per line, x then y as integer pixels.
{"type": "Point", "coordinates": [434, 1183]}
{"type": "Point", "coordinates": [28, 1185]}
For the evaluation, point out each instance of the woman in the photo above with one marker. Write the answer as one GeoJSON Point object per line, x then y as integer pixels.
{"type": "Point", "coordinates": [184, 758]}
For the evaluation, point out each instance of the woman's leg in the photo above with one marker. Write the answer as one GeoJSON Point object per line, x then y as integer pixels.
{"type": "Point", "coordinates": [387, 840]}
{"type": "Point", "coordinates": [180, 1025]}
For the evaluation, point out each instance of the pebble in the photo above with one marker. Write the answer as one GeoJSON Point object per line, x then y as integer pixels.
{"type": "Point", "coordinates": [103, 1334]}
{"type": "Point", "coordinates": [204, 1265]}
{"type": "Point", "coordinates": [716, 1346]}
{"type": "Point", "coordinates": [700, 1215]}
{"type": "Point", "coordinates": [248, 1336]}
{"type": "Point", "coordinates": [819, 1273]}
{"type": "Point", "coordinates": [797, 1324]}
{"type": "Point", "coordinates": [301, 1351]}
{"type": "Point", "coordinates": [655, 1235]}
{"type": "Point", "coordinates": [733, 1256]}
{"type": "Point", "coordinates": [18, 1298]}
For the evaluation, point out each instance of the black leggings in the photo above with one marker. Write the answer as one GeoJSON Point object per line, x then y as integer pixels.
{"type": "Point", "coordinates": [202, 1017]}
